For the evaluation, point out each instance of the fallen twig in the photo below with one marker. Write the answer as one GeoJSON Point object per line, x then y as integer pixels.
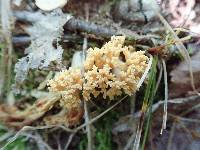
{"type": "Point", "coordinates": [172, 101]}
{"type": "Point", "coordinates": [83, 26]}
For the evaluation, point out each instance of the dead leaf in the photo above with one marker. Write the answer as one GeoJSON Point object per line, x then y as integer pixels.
{"type": "Point", "coordinates": [180, 77]}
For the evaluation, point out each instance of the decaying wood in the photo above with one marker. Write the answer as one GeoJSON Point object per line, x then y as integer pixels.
{"type": "Point", "coordinates": [25, 40]}
{"type": "Point", "coordinates": [13, 117]}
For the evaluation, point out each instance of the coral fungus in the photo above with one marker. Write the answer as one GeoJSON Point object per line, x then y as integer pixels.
{"type": "Point", "coordinates": [69, 84]}
{"type": "Point", "coordinates": [112, 70]}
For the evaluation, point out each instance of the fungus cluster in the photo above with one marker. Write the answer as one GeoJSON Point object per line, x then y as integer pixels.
{"type": "Point", "coordinates": [108, 71]}
{"type": "Point", "coordinates": [69, 84]}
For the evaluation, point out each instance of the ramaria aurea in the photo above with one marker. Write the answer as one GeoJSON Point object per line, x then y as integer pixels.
{"type": "Point", "coordinates": [111, 70]}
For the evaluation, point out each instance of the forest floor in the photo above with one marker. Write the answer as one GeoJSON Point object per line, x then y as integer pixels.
{"type": "Point", "coordinates": [161, 114]}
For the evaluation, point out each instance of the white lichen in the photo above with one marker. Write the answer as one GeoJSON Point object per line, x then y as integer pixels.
{"type": "Point", "coordinates": [41, 50]}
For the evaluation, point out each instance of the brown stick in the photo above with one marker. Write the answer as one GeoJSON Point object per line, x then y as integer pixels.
{"type": "Point", "coordinates": [83, 26]}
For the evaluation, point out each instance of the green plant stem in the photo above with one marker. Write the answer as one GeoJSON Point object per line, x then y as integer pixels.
{"type": "Point", "coordinates": [149, 113]}
{"type": "Point", "coordinates": [148, 92]}
{"type": "Point", "coordinates": [148, 102]}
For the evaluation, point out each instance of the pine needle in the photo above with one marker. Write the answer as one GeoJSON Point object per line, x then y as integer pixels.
{"type": "Point", "coordinates": [166, 97]}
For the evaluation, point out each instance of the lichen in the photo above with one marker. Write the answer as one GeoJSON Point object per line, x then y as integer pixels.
{"type": "Point", "coordinates": [41, 52]}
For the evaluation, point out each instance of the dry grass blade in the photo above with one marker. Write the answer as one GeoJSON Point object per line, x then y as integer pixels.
{"type": "Point", "coordinates": [159, 77]}
{"type": "Point", "coordinates": [14, 137]}
{"type": "Point", "coordinates": [184, 119]}
{"type": "Point", "coordinates": [101, 115]}
{"type": "Point", "coordinates": [6, 136]}
{"type": "Point", "coordinates": [6, 61]}
{"type": "Point", "coordinates": [137, 139]}
{"type": "Point", "coordinates": [166, 97]}
{"type": "Point", "coordinates": [31, 128]}
{"type": "Point", "coordinates": [145, 72]}
{"type": "Point", "coordinates": [172, 101]}
{"type": "Point", "coordinates": [69, 141]}
{"type": "Point", "coordinates": [88, 128]}
{"type": "Point", "coordinates": [130, 141]}
{"type": "Point", "coordinates": [87, 119]}
{"type": "Point", "coordinates": [37, 139]}
{"type": "Point", "coordinates": [169, 144]}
